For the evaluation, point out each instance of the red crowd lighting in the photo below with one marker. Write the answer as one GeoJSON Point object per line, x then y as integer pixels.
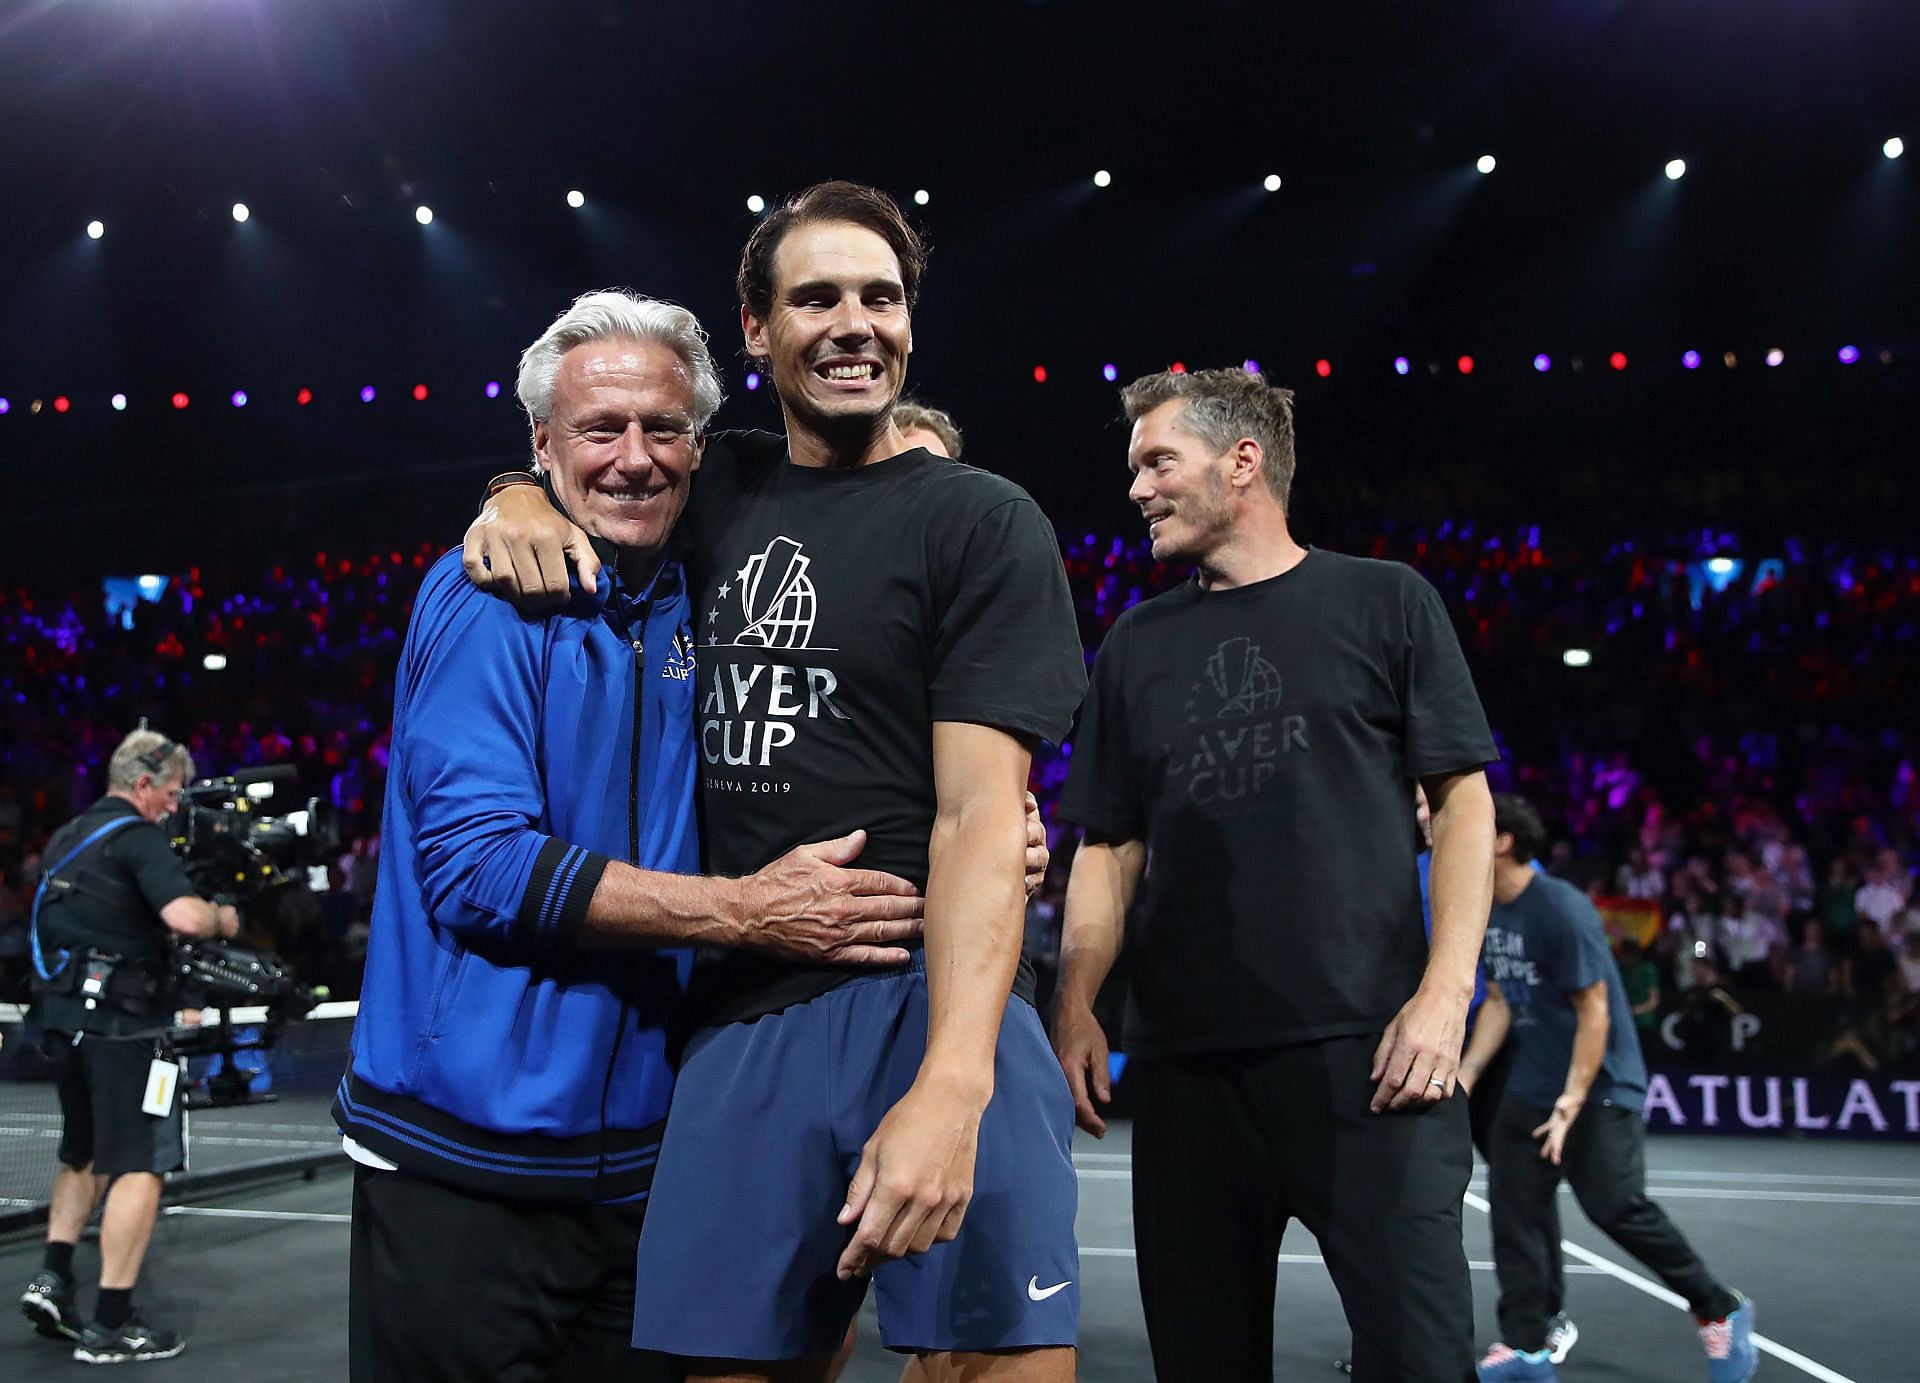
{"type": "Point", "coordinates": [1618, 360]}
{"type": "Point", "coordinates": [180, 400]}
{"type": "Point", "coordinates": [1466, 364]}
{"type": "Point", "coordinates": [1039, 374]}
{"type": "Point", "coordinates": [304, 397]}
{"type": "Point", "coordinates": [1323, 368]}
{"type": "Point", "coordinates": [62, 404]}
{"type": "Point", "coordinates": [419, 393]}
{"type": "Point", "coordinates": [1177, 368]}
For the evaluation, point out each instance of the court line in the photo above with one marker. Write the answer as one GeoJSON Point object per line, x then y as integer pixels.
{"type": "Point", "coordinates": [1660, 1293]}
{"type": "Point", "coordinates": [222, 1213]}
{"type": "Point", "coordinates": [1315, 1259]}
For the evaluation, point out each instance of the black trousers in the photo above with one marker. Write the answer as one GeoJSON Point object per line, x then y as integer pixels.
{"type": "Point", "coordinates": [1605, 1161]}
{"type": "Point", "coordinates": [1483, 1108]}
{"type": "Point", "coordinates": [449, 1287]}
{"type": "Point", "coordinates": [1229, 1147]}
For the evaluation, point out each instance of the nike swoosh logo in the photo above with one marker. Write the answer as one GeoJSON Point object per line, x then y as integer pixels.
{"type": "Point", "coordinates": [1036, 1292]}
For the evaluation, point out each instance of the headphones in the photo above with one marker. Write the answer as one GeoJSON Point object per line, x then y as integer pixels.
{"type": "Point", "coordinates": [155, 759]}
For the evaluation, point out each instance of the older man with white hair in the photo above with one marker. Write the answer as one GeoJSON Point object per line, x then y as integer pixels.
{"type": "Point", "coordinates": [511, 1064]}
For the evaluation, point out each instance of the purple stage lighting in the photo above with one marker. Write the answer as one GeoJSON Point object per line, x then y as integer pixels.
{"type": "Point", "coordinates": [1543, 362]}
{"type": "Point", "coordinates": [1849, 354]}
{"type": "Point", "coordinates": [1250, 365]}
{"type": "Point", "coordinates": [239, 398]}
{"type": "Point", "coordinates": [1400, 365]}
{"type": "Point", "coordinates": [1691, 360]}
{"type": "Point", "coordinates": [1110, 372]}
{"type": "Point", "coordinates": [366, 394]}
{"type": "Point", "coordinates": [493, 388]}
{"type": "Point", "coordinates": [753, 382]}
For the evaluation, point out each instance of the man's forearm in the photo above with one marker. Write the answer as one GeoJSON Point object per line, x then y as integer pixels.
{"type": "Point", "coordinates": [1589, 1041]}
{"type": "Point", "coordinates": [1459, 882]}
{"type": "Point", "coordinates": [643, 907]}
{"type": "Point", "coordinates": [976, 913]}
{"type": "Point", "coordinates": [1099, 892]}
{"type": "Point", "coordinates": [1489, 1035]}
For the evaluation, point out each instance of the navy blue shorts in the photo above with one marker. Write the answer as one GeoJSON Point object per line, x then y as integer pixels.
{"type": "Point", "coordinates": [737, 1258]}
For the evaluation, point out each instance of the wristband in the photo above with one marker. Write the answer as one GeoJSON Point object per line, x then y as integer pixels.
{"type": "Point", "coordinates": [507, 479]}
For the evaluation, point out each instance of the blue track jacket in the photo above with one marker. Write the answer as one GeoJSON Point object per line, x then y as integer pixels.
{"type": "Point", "coordinates": [490, 1052]}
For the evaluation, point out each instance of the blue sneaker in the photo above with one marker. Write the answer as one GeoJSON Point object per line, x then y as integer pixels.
{"type": "Point", "coordinates": [1505, 1365]}
{"type": "Point", "coordinates": [1731, 1355]}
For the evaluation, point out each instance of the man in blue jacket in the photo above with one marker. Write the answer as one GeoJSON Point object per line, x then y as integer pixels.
{"type": "Point", "coordinates": [536, 906]}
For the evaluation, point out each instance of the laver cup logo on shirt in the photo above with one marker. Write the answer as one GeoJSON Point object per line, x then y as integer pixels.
{"type": "Point", "coordinates": [1238, 741]}
{"type": "Point", "coordinates": [752, 709]}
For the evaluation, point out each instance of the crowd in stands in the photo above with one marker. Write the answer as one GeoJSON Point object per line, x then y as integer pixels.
{"type": "Point", "coordinates": [1739, 757]}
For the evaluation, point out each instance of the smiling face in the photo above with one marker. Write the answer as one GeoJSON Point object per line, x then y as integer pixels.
{"type": "Point", "coordinates": [619, 443]}
{"type": "Point", "coordinates": [1180, 485]}
{"type": "Point", "coordinates": [839, 330]}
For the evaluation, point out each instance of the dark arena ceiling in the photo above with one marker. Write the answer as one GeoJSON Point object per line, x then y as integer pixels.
{"type": "Point", "coordinates": [334, 121]}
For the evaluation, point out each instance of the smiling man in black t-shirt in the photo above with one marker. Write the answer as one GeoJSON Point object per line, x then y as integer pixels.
{"type": "Point", "coordinates": [1294, 1037]}
{"type": "Point", "coordinates": [882, 636]}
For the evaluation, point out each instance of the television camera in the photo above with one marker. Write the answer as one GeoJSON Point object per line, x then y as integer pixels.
{"type": "Point", "coordinates": [238, 852]}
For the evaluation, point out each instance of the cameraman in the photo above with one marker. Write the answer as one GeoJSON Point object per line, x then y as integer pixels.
{"type": "Point", "coordinates": [112, 894]}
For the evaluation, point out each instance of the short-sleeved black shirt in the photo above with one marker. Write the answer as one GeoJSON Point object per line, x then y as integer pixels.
{"type": "Point", "coordinates": [122, 883]}
{"type": "Point", "coordinates": [1262, 741]}
{"type": "Point", "coordinates": [840, 613]}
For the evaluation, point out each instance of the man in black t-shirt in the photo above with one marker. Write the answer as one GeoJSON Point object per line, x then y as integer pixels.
{"type": "Point", "coordinates": [111, 895]}
{"type": "Point", "coordinates": [883, 636]}
{"type": "Point", "coordinates": [1293, 1035]}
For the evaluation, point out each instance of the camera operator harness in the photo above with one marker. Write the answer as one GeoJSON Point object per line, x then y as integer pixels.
{"type": "Point", "coordinates": [96, 974]}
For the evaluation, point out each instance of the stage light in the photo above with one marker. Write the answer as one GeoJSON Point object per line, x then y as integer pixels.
{"type": "Point", "coordinates": [424, 215]}
{"type": "Point", "coordinates": [1543, 362]}
{"type": "Point", "coordinates": [493, 388]}
{"type": "Point", "coordinates": [1729, 360]}
{"type": "Point", "coordinates": [239, 398]}
{"type": "Point", "coordinates": [921, 197]}
{"type": "Point", "coordinates": [1039, 374]}
{"type": "Point", "coordinates": [119, 402]}
{"type": "Point", "coordinates": [576, 199]}
{"type": "Point", "coordinates": [180, 400]}
{"type": "Point", "coordinates": [1894, 147]}
{"type": "Point", "coordinates": [35, 407]}
{"type": "Point", "coordinates": [1103, 178]}
{"type": "Point", "coordinates": [1110, 372]}
{"type": "Point", "coordinates": [6, 406]}
{"type": "Point", "coordinates": [1720, 566]}
{"type": "Point", "coordinates": [1401, 365]}
{"type": "Point", "coordinates": [1486, 163]}
{"type": "Point", "coordinates": [240, 212]}
{"type": "Point", "coordinates": [756, 204]}
{"type": "Point", "coordinates": [1272, 183]}
{"type": "Point", "coordinates": [1618, 360]}
{"type": "Point", "coordinates": [1465, 363]}
{"type": "Point", "coordinates": [419, 393]}
{"type": "Point", "coordinates": [62, 403]}
{"type": "Point", "coordinates": [1323, 368]}
{"type": "Point", "coordinates": [1250, 365]}
{"type": "Point", "coordinates": [753, 381]}
{"type": "Point", "coordinates": [1577, 657]}
{"type": "Point", "coordinates": [1691, 360]}
{"type": "Point", "coordinates": [1177, 368]}
{"type": "Point", "coordinates": [367, 393]}
{"type": "Point", "coordinates": [1775, 356]}
{"type": "Point", "coordinates": [1849, 354]}
{"type": "Point", "coordinates": [1676, 169]}
{"type": "Point", "coordinates": [304, 397]}
{"type": "Point", "coordinates": [214, 662]}
{"type": "Point", "coordinates": [96, 229]}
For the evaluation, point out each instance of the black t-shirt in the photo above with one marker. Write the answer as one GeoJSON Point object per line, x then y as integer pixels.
{"type": "Point", "coordinates": [109, 898]}
{"type": "Point", "coordinates": [840, 613]}
{"type": "Point", "coordinates": [1262, 741]}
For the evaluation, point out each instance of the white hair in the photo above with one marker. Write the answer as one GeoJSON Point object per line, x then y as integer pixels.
{"type": "Point", "coordinates": [615, 314]}
{"type": "Point", "coordinates": [139, 753]}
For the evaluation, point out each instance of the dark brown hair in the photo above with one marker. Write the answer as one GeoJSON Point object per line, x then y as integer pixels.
{"type": "Point", "coordinates": [851, 202]}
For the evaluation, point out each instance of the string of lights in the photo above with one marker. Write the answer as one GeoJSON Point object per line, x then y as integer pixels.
{"type": "Point", "coordinates": [1403, 366]}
